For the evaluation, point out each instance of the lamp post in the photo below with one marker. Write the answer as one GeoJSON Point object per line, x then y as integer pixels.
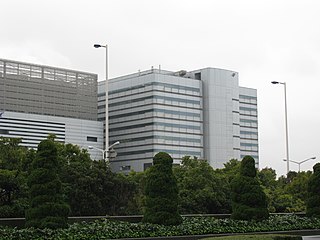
{"type": "Point", "coordinates": [299, 163]}
{"type": "Point", "coordinates": [107, 100]}
{"type": "Point", "coordinates": [105, 152]}
{"type": "Point", "coordinates": [286, 121]}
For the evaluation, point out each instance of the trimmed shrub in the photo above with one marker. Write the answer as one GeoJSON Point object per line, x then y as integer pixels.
{"type": "Point", "coordinates": [313, 202]}
{"type": "Point", "coordinates": [248, 199]}
{"type": "Point", "coordinates": [47, 208]}
{"type": "Point", "coordinates": [161, 192]}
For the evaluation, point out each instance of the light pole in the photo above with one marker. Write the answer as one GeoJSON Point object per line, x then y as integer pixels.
{"type": "Point", "coordinates": [299, 163]}
{"type": "Point", "coordinates": [105, 152]}
{"type": "Point", "coordinates": [286, 121]}
{"type": "Point", "coordinates": [107, 100]}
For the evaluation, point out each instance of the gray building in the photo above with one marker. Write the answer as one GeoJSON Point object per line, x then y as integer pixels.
{"type": "Point", "coordinates": [202, 113]}
{"type": "Point", "coordinates": [45, 90]}
{"type": "Point", "coordinates": [37, 100]}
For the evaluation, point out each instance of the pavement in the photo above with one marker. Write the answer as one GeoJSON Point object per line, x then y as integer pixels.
{"type": "Point", "coordinates": [317, 237]}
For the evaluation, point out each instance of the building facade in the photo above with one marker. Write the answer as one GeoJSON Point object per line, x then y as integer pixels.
{"type": "Point", "coordinates": [248, 120]}
{"type": "Point", "coordinates": [153, 112]}
{"type": "Point", "coordinates": [33, 128]}
{"type": "Point", "coordinates": [202, 113]}
{"type": "Point", "coordinates": [38, 100]}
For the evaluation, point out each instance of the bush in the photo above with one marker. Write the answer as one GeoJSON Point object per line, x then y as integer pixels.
{"type": "Point", "coordinates": [161, 192]}
{"type": "Point", "coordinates": [47, 209]}
{"type": "Point", "coordinates": [106, 229]}
{"type": "Point", "coordinates": [248, 199]}
{"type": "Point", "coordinates": [313, 206]}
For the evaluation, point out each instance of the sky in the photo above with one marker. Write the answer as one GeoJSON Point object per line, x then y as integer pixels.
{"type": "Point", "coordinates": [262, 40]}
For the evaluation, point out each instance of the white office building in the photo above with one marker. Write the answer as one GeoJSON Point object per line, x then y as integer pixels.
{"type": "Point", "coordinates": [202, 113]}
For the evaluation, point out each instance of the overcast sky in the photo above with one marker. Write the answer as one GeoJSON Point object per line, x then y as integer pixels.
{"type": "Point", "coordinates": [272, 40]}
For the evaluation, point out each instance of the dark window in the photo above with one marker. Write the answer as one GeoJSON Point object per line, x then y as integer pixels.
{"type": "Point", "coordinates": [197, 76]}
{"type": "Point", "coordinates": [146, 166]}
{"type": "Point", "coordinates": [92, 139]}
{"type": "Point", "coordinates": [4, 131]}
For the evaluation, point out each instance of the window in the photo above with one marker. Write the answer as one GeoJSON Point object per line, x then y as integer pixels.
{"type": "Point", "coordinates": [146, 166]}
{"type": "Point", "coordinates": [197, 76]}
{"type": "Point", "coordinates": [92, 139]}
{"type": "Point", "coordinates": [125, 168]}
{"type": "Point", "coordinates": [4, 131]}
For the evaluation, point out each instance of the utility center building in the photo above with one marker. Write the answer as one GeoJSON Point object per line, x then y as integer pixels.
{"type": "Point", "coordinates": [38, 100]}
{"type": "Point", "coordinates": [202, 113]}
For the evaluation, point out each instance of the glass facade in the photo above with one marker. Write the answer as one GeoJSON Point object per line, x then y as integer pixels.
{"type": "Point", "coordinates": [249, 123]}
{"type": "Point", "coordinates": [151, 113]}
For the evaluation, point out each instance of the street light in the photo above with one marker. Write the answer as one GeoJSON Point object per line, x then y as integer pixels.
{"type": "Point", "coordinates": [286, 120]}
{"type": "Point", "coordinates": [107, 100]}
{"type": "Point", "coordinates": [299, 163]}
{"type": "Point", "coordinates": [105, 152]}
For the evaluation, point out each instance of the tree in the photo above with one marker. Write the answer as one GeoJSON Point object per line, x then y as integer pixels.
{"type": "Point", "coordinates": [13, 192]}
{"type": "Point", "coordinates": [123, 194]}
{"type": "Point", "coordinates": [136, 203]}
{"type": "Point", "coordinates": [268, 178]}
{"type": "Point", "coordinates": [313, 206]}
{"type": "Point", "coordinates": [298, 188]}
{"type": "Point", "coordinates": [248, 199]}
{"type": "Point", "coordinates": [47, 208]}
{"type": "Point", "coordinates": [161, 192]}
{"type": "Point", "coordinates": [201, 189]}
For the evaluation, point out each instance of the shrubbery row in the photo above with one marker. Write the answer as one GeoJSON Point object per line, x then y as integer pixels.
{"type": "Point", "coordinates": [106, 229]}
{"type": "Point", "coordinates": [88, 185]}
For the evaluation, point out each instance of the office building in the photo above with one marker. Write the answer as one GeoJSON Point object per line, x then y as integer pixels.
{"type": "Point", "coordinates": [202, 113]}
{"type": "Point", "coordinates": [37, 100]}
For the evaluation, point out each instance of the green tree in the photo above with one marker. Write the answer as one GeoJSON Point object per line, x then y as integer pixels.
{"type": "Point", "coordinates": [268, 178]}
{"type": "Point", "coordinates": [123, 195]}
{"type": "Point", "coordinates": [88, 185]}
{"type": "Point", "coordinates": [298, 188]}
{"type": "Point", "coordinates": [248, 199]}
{"type": "Point", "coordinates": [201, 189]}
{"type": "Point", "coordinates": [47, 208]}
{"type": "Point", "coordinates": [289, 193]}
{"type": "Point", "coordinates": [161, 192]}
{"type": "Point", "coordinates": [13, 190]}
{"type": "Point", "coordinates": [283, 202]}
{"type": "Point", "coordinates": [136, 203]}
{"type": "Point", "coordinates": [91, 188]}
{"type": "Point", "coordinates": [230, 170]}
{"type": "Point", "coordinates": [313, 206]}
{"type": "Point", "coordinates": [8, 185]}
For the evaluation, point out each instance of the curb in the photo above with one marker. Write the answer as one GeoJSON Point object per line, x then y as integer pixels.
{"type": "Point", "coordinates": [304, 232]}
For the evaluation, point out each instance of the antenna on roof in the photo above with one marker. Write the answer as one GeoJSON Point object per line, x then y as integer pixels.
{"type": "Point", "coordinates": [151, 68]}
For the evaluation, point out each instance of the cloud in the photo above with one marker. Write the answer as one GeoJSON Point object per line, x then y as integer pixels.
{"type": "Point", "coordinates": [37, 52]}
